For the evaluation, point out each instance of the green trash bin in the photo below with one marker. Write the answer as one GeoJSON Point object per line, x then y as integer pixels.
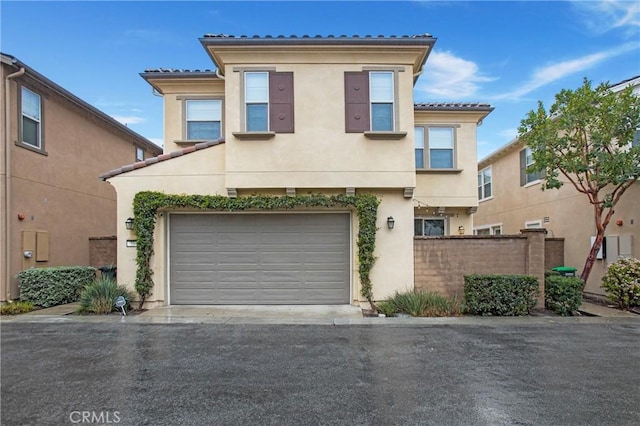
{"type": "Point", "coordinates": [109, 271]}
{"type": "Point", "coordinates": [565, 271]}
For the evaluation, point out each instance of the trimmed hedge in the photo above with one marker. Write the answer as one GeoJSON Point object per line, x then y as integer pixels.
{"type": "Point", "coordinates": [563, 295]}
{"type": "Point", "coordinates": [502, 295]}
{"type": "Point", "coordinates": [55, 285]}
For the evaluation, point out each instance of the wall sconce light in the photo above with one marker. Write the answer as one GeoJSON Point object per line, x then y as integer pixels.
{"type": "Point", "coordinates": [390, 222]}
{"type": "Point", "coordinates": [619, 222]}
{"type": "Point", "coordinates": [461, 230]}
{"type": "Point", "coordinates": [129, 223]}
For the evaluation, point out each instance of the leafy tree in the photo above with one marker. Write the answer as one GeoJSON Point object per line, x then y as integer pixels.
{"type": "Point", "coordinates": [585, 139]}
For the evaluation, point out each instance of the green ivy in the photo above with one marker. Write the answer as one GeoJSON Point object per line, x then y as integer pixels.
{"type": "Point", "coordinates": [146, 205]}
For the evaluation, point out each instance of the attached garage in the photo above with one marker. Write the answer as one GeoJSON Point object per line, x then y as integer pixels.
{"type": "Point", "coordinates": [259, 258]}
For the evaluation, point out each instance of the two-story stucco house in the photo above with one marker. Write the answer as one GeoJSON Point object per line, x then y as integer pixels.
{"type": "Point", "coordinates": [289, 116]}
{"type": "Point", "coordinates": [54, 146]}
{"type": "Point", "coordinates": [511, 199]}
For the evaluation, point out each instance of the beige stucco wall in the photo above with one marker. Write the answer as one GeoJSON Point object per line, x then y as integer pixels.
{"type": "Point", "coordinates": [60, 192]}
{"type": "Point", "coordinates": [569, 214]}
{"type": "Point", "coordinates": [201, 172]}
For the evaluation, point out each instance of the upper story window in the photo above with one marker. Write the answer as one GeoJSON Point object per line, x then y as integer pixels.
{"type": "Point", "coordinates": [139, 154]}
{"type": "Point", "coordinates": [267, 102]}
{"type": "Point", "coordinates": [382, 101]}
{"type": "Point", "coordinates": [371, 104]}
{"type": "Point", "coordinates": [435, 147]}
{"type": "Point", "coordinates": [526, 160]}
{"type": "Point", "coordinates": [204, 119]}
{"type": "Point", "coordinates": [636, 138]}
{"type": "Point", "coordinates": [484, 184]}
{"type": "Point", "coordinates": [256, 97]}
{"type": "Point", "coordinates": [31, 118]}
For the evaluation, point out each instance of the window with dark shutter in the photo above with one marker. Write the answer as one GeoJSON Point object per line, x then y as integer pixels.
{"type": "Point", "coordinates": [523, 167]}
{"type": "Point", "coordinates": [281, 102]}
{"type": "Point", "coordinates": [356, 86]}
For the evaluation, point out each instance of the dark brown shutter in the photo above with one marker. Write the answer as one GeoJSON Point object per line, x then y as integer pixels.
{"type": "Point", "coordinates": [523, 167]}
{"type": "Point", "coordinates": [281, 102]}
{"type": "Point", "coordinates": [356, 94]}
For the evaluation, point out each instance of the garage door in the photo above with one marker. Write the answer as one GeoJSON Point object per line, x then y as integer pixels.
{"type": "Point", "coordinates": [259, 258]}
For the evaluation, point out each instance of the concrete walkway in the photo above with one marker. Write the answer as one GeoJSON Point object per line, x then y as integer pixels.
{"type": "Point", "coordinates": [296, 314]}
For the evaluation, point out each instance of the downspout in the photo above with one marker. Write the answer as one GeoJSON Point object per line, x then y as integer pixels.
{"type": "Point", "coordinates": [7, 180]}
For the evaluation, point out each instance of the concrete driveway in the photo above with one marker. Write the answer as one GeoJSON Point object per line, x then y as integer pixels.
{"type": "Point", "coordinates": [539, 371]}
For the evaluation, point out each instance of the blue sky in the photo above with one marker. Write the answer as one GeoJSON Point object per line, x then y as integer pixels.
{"type": "Point", "coordinates": [507, 54]}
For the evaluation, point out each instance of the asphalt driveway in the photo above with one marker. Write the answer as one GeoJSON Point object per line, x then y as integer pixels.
{"type": "Point", "coordinates": [492, 373]}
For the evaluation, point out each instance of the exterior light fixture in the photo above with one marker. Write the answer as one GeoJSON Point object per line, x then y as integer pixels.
{"type": "Point", "coordinates": [461, 230]}
{"type": "Point", "coordinates": [390, 222]}
{"type": "Point", "coordinates": [129, 223]}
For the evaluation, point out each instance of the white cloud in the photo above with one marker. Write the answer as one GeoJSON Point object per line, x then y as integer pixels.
{"type": "Point", "coordinates": [605, 15]}
{"type": "Point", "coordinates": [126, 120]}
{"type": "Point", "coordinates": [550, 73]}
{"type": "Point", "coordinates": [509, 134]}
{"type": "Point", "coordinates": [449, 77]}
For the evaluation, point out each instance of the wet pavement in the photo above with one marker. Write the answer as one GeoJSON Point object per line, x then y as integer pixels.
{"type": "Point", "coordinates": [490, 371]}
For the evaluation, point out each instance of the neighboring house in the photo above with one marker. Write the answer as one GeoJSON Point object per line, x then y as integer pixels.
{"type": "Point", "coordinates": [54, 146]}
{"type": "Point", "coordinates": [299, 115]}
{"type": "Point", "coordinates": [511, 199]}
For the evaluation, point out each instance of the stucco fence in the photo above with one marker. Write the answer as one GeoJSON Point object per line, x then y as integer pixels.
{"type": "Point", "coordinates": [442, 262]}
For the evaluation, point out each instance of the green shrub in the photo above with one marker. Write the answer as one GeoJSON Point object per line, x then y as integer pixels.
{"type": "Point", "coordinates": [420, 304]}
{"type": "Point", "coordinates": [563, 295]}
{"type": "Point", "coordinates": [55, 285]}
{"type": "Point", "coordinates": [622, 282]}
{"type": "Point", "coordinates": [505, 295]}
{"type": "Point", "coordinates": [17, 307]}
{"type": "Point", "coordinates": [99, 297]}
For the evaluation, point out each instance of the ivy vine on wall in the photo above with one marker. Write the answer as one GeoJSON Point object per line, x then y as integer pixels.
{"type": "Point", "coordinates": [146, 205]}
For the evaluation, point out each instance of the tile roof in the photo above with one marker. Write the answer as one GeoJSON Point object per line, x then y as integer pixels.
{"type": "Point", "coordinates": [452, 106]}
{"type": "Point", "coordinates": [160, 158]}
{"type": "Point", "coordinates": [177, 71]}
{"type": "Point", "coordinates": [327, 37]}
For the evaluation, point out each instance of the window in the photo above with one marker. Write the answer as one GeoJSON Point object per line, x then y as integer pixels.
{"type": "Point", "coordinates": [268, 101]}
{"type": "Point", "coordinates": [381, 90]}
{"type": "Point", "coordinates": [434, 147]}
{"type": "Point", "coordinates": [636, 138]}
{"type": "Point", "coordinates": [533, 224]}
{"type": "Point", "coordinates": [526, 160]}
{"type": "Point", "coordinates": [31, 118]}
{"type": "Point", "coordinates": [429, 227]}
{"type": "Point", "coordinates": [370, 103]}
{"type": "Point", "coordinates": [484, 184]}
{"type": "Point", "coordinates": [139, 154]}
{"type": "Point", "coordinates": [204, 119]}
{"type": "Point", "coordinates": [256, 97]}
{"type": "Point", "coordinates": [419, 147]}
{"type": "Point", "coordinates": [488, 230]}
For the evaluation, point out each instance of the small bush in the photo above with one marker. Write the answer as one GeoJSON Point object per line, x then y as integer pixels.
{"type": "Point", "coordinates": [420, 304]}
{"type": "Point", "coordinates": [505, 295]}
{"type": "Point", "coordinates": [622, 282]}
{"type": "Point", "coordinates": [55, 285]}
{"type": "Point", "coordinates": [563, 295]}
{"type": "Point", "coordinates": [17, 307]}
{"type": "Point", "coordinates": [99, 297]}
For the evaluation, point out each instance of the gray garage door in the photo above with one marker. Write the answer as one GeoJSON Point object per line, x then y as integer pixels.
{"type": "Point", "coordinates": [259, 259]}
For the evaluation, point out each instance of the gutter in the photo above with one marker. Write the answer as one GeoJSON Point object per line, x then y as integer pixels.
{"type": "Point", "coordinates": [7, 180]}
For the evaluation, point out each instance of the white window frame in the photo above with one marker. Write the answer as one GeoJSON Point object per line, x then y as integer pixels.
{"type": "Point", "coordinates": [213, 119]}
{"type": "Point", "coordinates": [419, 145]}
{"type": "Point", "coordinates": [139, 154]}
{"type": "Point", "coordinates": [482, 184]}
{"type": "Point", "coordinates": [427, 148]}
{"type": "Point", "coordinates": [247, 102]}
{"type": "Point", "coordinates": [423, 218]}
{"type": "Point", "coordinates": [383, 101]}
{"type": "Point", "coordinates": [533, 224]}
{"type": "Point", "coordinates": [37, 120]}
{"type": "Point", "coordinates": [491, 228]}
